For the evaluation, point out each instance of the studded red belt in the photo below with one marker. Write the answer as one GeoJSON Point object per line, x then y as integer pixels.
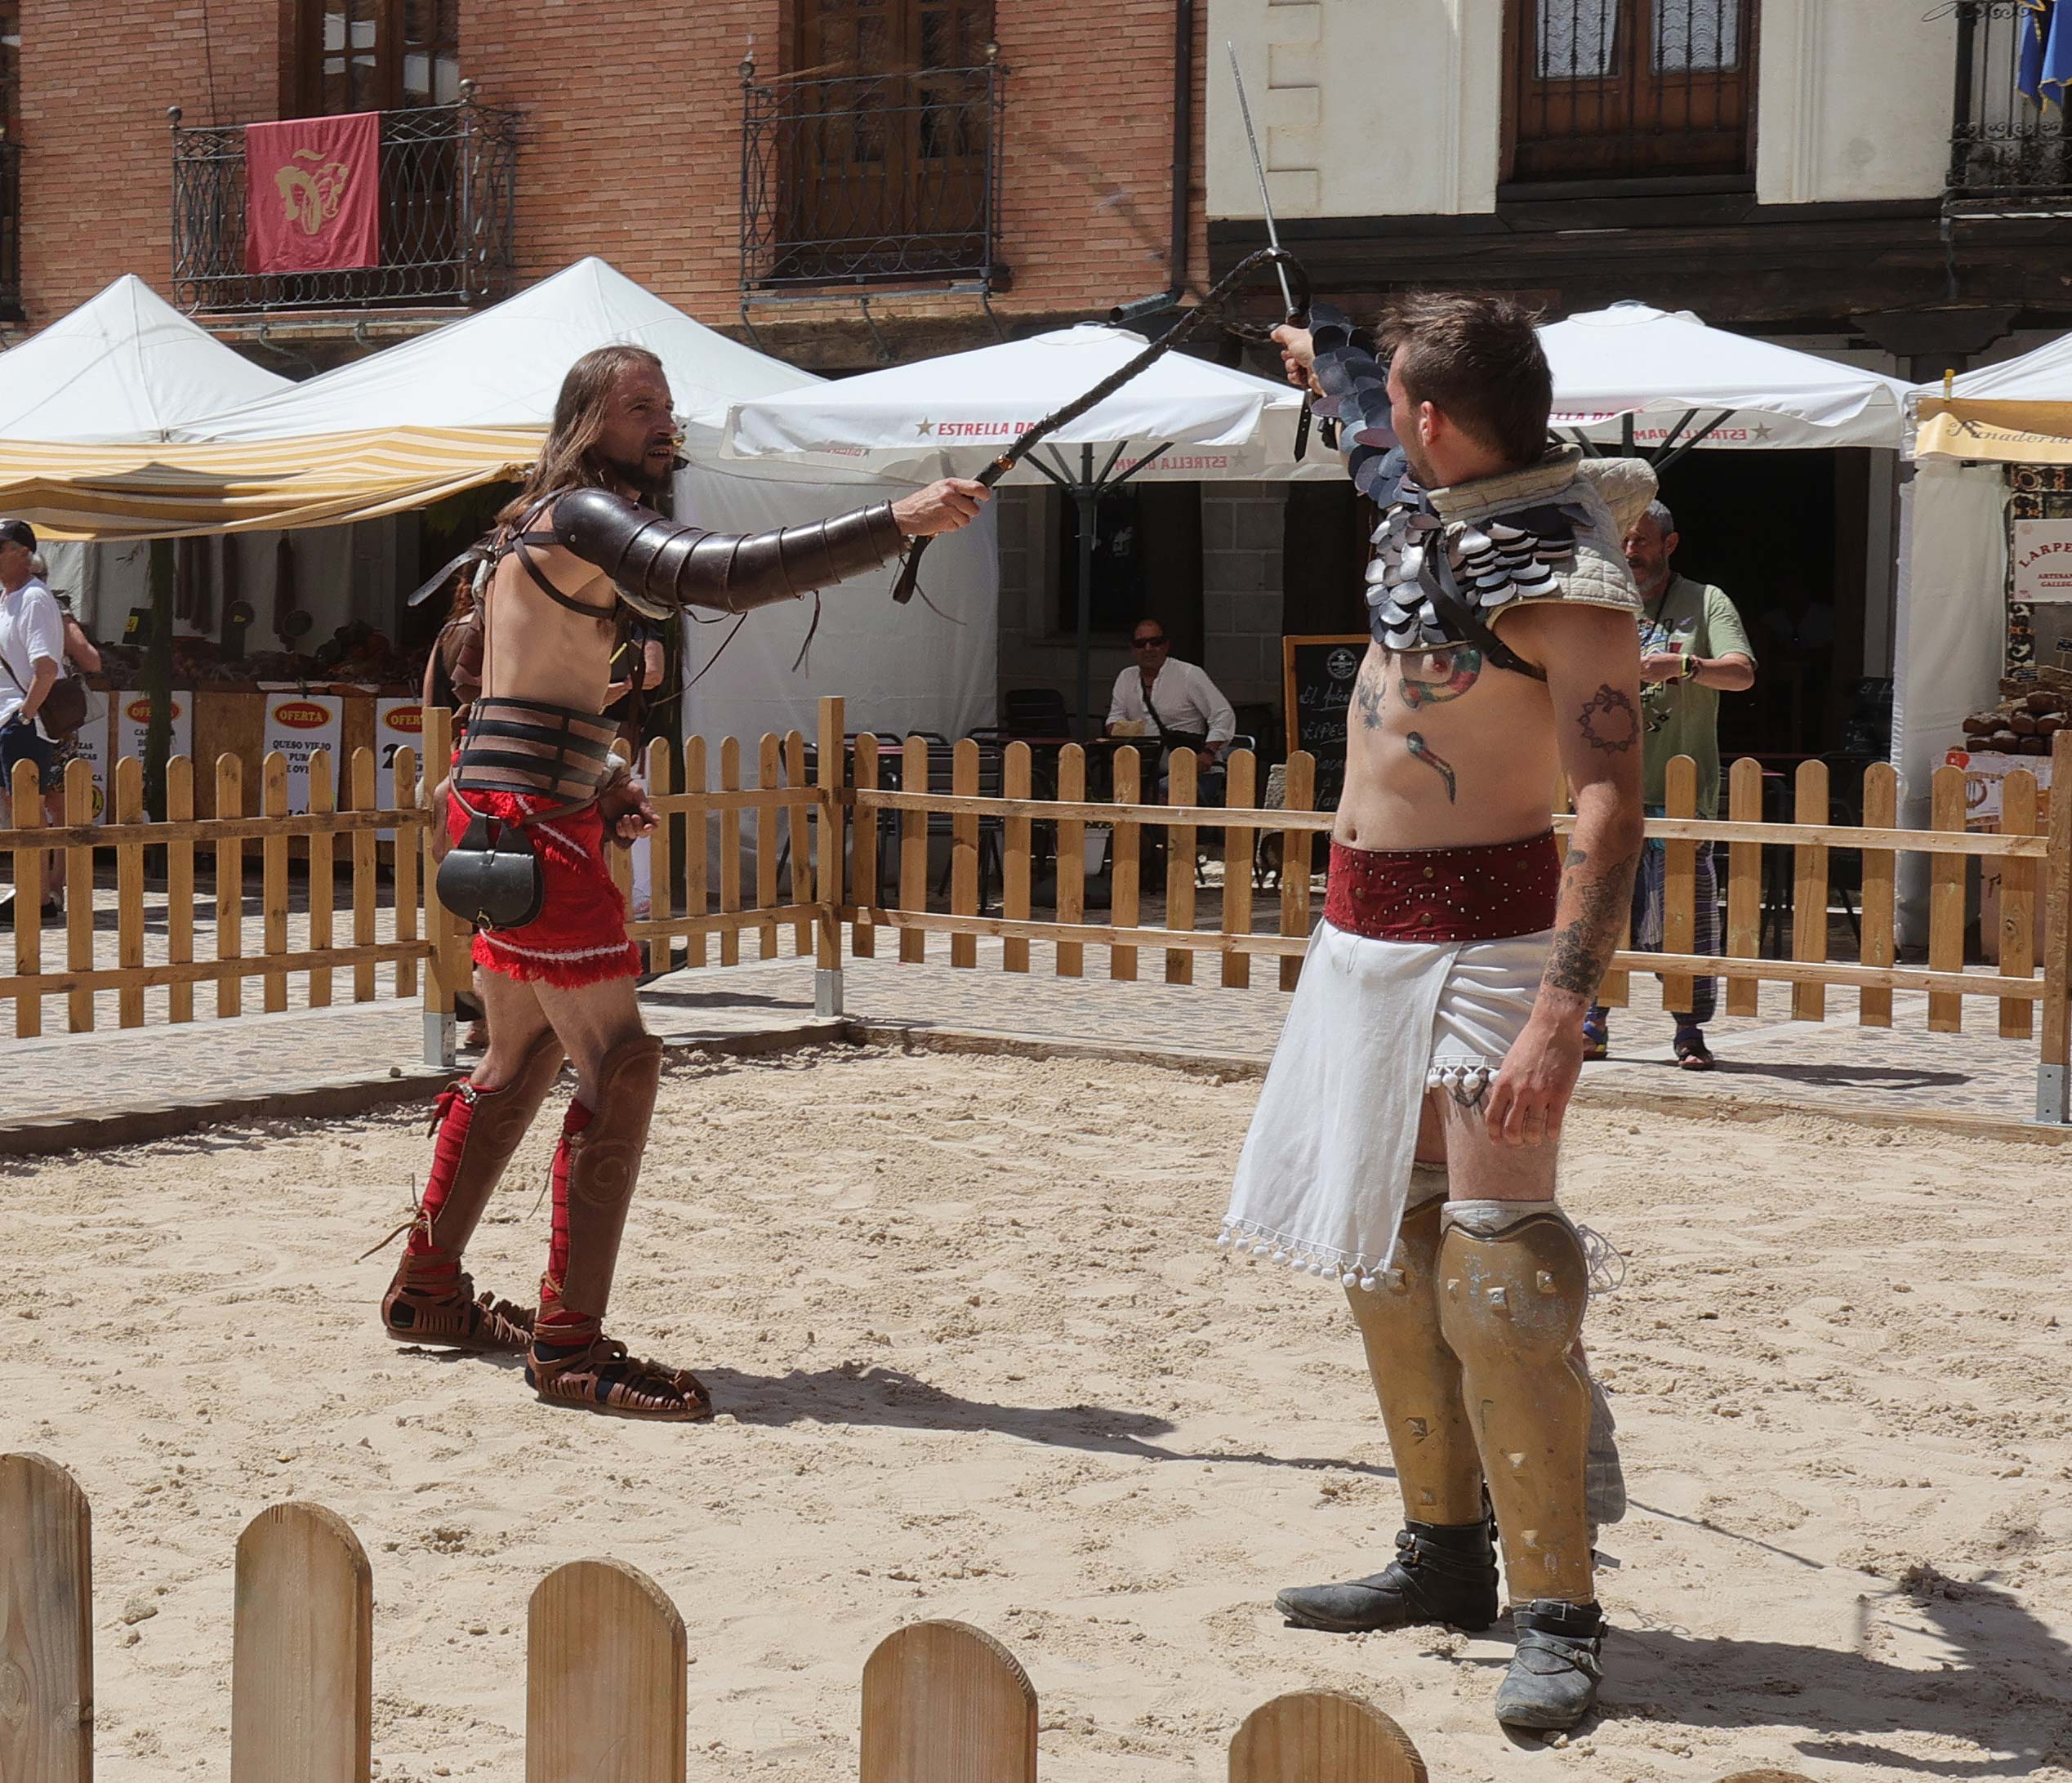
{"type": "Point", "coordinates": [1444, 894]}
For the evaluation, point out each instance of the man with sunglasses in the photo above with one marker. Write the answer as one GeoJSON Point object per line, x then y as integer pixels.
{"type": "Point", "coordinates": [1175, 702]}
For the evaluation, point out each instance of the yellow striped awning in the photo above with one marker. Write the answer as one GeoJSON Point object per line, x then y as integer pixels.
{"type": "Point", "coordinates": [1996, 432]}
{"type": "Point", "coordinates": [138, 491]}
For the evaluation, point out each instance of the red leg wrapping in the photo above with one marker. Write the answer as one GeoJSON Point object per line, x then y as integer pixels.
{"type": "Point", "coordinates": [451, 1116]}
{"type": "Point", "coordinates": [551, 1312]}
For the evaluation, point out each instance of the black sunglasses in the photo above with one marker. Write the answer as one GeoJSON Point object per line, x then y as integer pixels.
{"type": "Point", "coordinates": [1148, 644]}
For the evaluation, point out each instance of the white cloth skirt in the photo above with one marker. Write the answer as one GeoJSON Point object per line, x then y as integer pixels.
{"type": "Point", "coordinates": [1374, 1024]}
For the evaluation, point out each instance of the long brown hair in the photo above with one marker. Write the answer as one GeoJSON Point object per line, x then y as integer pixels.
{"type": "Point", "coordinates": [565, 461]}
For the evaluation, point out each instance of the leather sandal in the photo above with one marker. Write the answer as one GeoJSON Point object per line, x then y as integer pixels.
{"type": "Point", "coordinates": [442, 1309]}
{"type": "Point", "coordinates": [597, 1375]}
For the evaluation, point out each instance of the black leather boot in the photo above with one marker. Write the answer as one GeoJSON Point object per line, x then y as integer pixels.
{"type": "Point", "coordinates": [1441, 1573]}
{"type": "Point", "coordinates": [1553, 1677]}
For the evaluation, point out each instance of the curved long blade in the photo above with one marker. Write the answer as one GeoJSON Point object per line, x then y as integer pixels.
{"type": "Point", "coordinates": [1259, 166]}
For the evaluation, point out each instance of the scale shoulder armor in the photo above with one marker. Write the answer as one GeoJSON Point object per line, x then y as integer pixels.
{"type": "Point", "coordinates": [661, 565]}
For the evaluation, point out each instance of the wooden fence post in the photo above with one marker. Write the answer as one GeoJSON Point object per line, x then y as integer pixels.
{"type": "Point", "coordinates": [1017, 776]}
{"type": "Point", "coordinates": [863, 847]}
{"type": "Point", "coordinates": [2053, 1080]}
{"type": "Point", "coordinates": [1744, 884]}
{"type": "Point", "coordinates": [913, 848]}
{"type": "Point", "coordinates": [697, 848]}
{"type": "Point", "coordinates": [1240, 848]}
{"type": "Point", "coordinates": [1301, 784]}
{"type": "Point", "coordinates": [1181, 770]}
{"type": "Point", "coordinates": [803, 864]}
{"type": "Point", "coordinates": [605, 1696]}
{"type": "Point", "coordinates": [230, 872]}
{"type": "Point", "coordinates": [273, 878]}
{"type": "Point", "coordinates": [1947, 901]}
{"type": "Point", "coordinates": [769, 774]}
{"type": "Point", "coordinates": [129, 891]}
{"type": "Point", "coordinates": [730, 850]}
{"type": "Point", "coordinates": [26, 804]}
{"type": "Point", "coordinates": [408, 842]}
{"type": "Point", "coordinates": [1071, 859]}
{"type": "Point", "coordinates": [1880, 891]}
{"type": "Point", "coordinates": [366, 855]}
{"type": "Point", "coordinates": [829, 884]}
{"type": "Point", "coordinates": [302, 1651]}
{"type": "Point", "coordinates": [1322, 1736]}
{"type": "Point", "coordinates": [46, 1655]}
{"type": "Point", "coordinates": [1126, 856]}
{"type": "Point", "coordinates": [450, 952]}
{"type": "Point", "coordinates": [662, 857]}
{"type": "Point", "coordinates": [320, 858]}
{"type": "Point", "coordinates": [1679, 883]}
{"type": "Point", "coordinates": [2017, 936]}
{"type": "Point", "coordinates": [945, 1703]}
{"type": "Point", "coordinates": [1809, 914]}
{"type": "Point", "coordinates": [963, 850]}
{"type": "Point", "coordinates": [79, 905]}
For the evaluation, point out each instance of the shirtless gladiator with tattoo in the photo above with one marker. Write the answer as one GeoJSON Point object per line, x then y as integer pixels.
{"type": "Point", "coordinates": [1408, 1132]}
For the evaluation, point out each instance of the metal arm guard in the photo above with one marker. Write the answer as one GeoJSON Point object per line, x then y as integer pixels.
{"type": "Point", "coordinates": [661, 565]}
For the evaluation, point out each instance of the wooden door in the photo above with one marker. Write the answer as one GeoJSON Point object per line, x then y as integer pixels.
{"type": "Point", "coordinates": [885, 166]}
{"type": "Point", "coordinates": [1622, 89]}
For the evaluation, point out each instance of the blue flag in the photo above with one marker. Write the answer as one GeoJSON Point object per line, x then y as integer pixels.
{"type": "Point", "coordinates": [2045, 72]}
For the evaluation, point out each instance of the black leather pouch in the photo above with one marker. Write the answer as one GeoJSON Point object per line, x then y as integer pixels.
{"type": "Point", "coordinates": [493, 876]}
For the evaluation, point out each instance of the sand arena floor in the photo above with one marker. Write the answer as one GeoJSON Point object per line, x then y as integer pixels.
{"type": "Point", "coordinates": [977, 1356]}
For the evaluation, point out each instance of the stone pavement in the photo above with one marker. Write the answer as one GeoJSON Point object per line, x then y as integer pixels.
{"type": "Point", "coordinates": [112, 1086]}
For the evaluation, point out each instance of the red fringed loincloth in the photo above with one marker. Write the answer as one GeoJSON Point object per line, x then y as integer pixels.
{"type": "Point", "coordinates": [579, 938]}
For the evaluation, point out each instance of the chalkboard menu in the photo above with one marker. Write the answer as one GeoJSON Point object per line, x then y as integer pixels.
{"type": "Point", "coordinates": [1317, 682]}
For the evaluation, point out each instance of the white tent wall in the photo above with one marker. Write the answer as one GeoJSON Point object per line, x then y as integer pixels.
{"type": "Point", "coordinates": [1952, 638]}
{"type": "Point", "coordinates": [900, 669]}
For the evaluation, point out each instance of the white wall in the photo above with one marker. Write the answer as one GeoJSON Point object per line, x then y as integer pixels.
{"type": "Point", "coordinates": [1364, 107]}
{"type": "Point", "coordinates": [1391, 107]}
{"type": "Point", "coordinates": [1853, 100]}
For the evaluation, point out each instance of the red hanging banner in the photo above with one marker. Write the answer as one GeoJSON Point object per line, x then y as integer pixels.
{"type": "Point", "coordinates": [311, 187]}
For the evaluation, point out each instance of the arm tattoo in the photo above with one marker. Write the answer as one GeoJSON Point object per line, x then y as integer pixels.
{"type": "Point", "coordinates": [1425, 753]}
{"type": "Point", "coordinates": [1609, 721]}
{"type": "Point", "coordinates": [1370, 693]}
{"type": "Point", "coordinates": [1582, 951]}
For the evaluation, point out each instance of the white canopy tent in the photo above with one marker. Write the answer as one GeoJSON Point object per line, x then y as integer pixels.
{"type": "Point", "coordinates": [124, 365]}
{"type": "Point", "coordinates": [1638, 376]}
{"type": "Point", "coordinates": [1184, 419]}
{"type": "Point", "coordinates": [503, 366]}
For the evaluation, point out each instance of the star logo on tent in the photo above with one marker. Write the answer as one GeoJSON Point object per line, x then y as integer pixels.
{"type": "Point", "coordinates": [1764, 430]}
{"type": "Point", "coordinates": [925, 428]}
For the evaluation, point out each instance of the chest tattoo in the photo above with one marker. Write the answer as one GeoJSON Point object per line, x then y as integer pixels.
{"type": "Point", "coordinates": [1432, 677]}
{"type": "Point", "coordinates": [1425, 753]}
{"type": "Point", "coordinates": [1371, 694]}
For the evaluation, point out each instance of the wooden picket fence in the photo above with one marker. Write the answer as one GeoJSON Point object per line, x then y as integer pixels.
{"type": "Point", "coordinates": [607, 1661]}
{"type": "Point", "coordinates": [816, 814]}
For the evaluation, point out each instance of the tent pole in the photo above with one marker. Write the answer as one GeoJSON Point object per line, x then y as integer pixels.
{"type": "Point", "coordinates": [1695, 441]}
{"type": "Point", "coordinates": [1087, 494]}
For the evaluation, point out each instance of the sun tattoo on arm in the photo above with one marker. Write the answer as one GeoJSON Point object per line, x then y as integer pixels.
{"type": "Point", "coordinates": [1610, 724]}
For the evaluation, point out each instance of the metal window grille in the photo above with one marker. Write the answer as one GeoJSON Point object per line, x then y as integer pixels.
{"type": "Point", "coordinates": [871, 179]}
{"type": "Point", "coordinates": [2007, 150]}
{"type": "Point", "coordinates": [1620, 89]}
{"type": "Point", "coordinates": [449, 192]}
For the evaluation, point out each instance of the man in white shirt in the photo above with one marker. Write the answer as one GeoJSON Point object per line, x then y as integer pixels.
{"type": "Point", "coordinates": [31, 657]}
{"type": "Point", "coordinates": [1176, 702]}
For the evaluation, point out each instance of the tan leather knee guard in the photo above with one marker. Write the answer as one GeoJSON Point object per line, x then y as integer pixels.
{"type": "Point", "coordinates": [498, 1119]}
{"type": "Point", "coordinates": [1513, 1286]}
{"type": "Point", "coordinates": [1416, 1377]}
{"type": "Point", "coordinates": [603, 1166]}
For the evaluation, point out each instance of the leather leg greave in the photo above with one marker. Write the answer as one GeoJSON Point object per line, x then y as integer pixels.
{"type": "Point", "coordinates": [603, 1165]}
{"type": "Point", "coordinates": [1514, 1285]}
{"type": "Point", "coordinates": [1417, 1377]}
{"type": "Point", "coordinates": [479, 1131]}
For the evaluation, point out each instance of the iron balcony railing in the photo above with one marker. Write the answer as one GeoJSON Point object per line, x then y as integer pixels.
{"type": "Point", "coordinates": [2008, 151]}
{"type": "Point", "coordinates": [9, 229]}
{"type": "Point", "coordinates": [449, 192]}
{"type": "Point", "coordinates": [871, 179]}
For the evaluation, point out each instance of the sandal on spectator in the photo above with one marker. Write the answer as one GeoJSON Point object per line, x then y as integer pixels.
{"type": "Point", "coordinates": [1692, 1053]}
